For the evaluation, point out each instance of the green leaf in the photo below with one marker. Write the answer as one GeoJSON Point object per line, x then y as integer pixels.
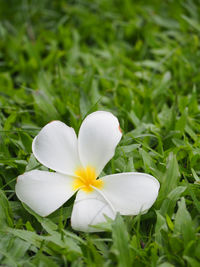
{"type": "Point", "coordinates": [170, 178]}
{"type": "Point", "coordinates": [6, 216]}
{"type": "Point", "coordinates": [169, 202]}
{"type": "Point", "coordinates": [41, 260]}
{"type": "Point", "coordinates": [121, 242]}
{"type": "Point", "coordinates": [183, 223]}
{"type": "Point", "coordinates": [191, 261]}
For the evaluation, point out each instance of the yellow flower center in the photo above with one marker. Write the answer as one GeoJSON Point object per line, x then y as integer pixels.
{"type": "Point", "coordinates": [86, 179]}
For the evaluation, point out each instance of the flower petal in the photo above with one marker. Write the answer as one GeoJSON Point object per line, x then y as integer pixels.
{"type": "Point", "coordinates": [56, 147]}
{"type": "Point", "coordinates": [89, 209]}
{"type": "Point", "coordinates": [44, 192]}
{"type": "Point", "coordinates": [98, 137]}
{"type": "Point", "coordinates": [130, 193]}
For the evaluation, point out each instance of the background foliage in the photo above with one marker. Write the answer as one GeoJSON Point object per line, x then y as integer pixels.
{"type": "Point", "coordinates": [141, 61]}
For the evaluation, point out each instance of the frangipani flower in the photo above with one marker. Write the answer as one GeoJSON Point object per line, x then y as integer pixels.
{"type": "Point", "coordinates": [77, 163]}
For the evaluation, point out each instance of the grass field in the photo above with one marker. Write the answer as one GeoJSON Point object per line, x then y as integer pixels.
{"type": "Point", "coordinates": [140, 60]}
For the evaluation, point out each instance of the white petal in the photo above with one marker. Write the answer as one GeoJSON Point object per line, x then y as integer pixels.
{"type": "Point", "coordinates": [98, 137]}
{"type": "Point", "coordinates": [44, 192]}
{"type": "Point", "coordinates": [89, 209]}
{"type": "Point", "coordinates": [130, 193]}
{"type": "Point", "coordinates": [56, 147]}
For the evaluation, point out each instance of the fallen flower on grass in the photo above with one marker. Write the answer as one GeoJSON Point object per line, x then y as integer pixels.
{"type": "Point", "coordinates": [77, 163]}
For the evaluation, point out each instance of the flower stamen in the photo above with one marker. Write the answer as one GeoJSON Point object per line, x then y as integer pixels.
{"type": "Point", "coordinates": [86, 179]}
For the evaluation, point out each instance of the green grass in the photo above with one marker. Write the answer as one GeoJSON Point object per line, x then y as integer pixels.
{"type": "Point", "coordinates": [139, 60]}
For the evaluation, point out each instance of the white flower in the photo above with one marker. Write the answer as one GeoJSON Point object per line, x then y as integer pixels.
{"type": "Point", "coordinates": [77, 163]}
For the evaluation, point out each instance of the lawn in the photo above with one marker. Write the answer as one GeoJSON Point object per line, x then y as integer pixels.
{"type": "Point", "coordinates": [140, 60]}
